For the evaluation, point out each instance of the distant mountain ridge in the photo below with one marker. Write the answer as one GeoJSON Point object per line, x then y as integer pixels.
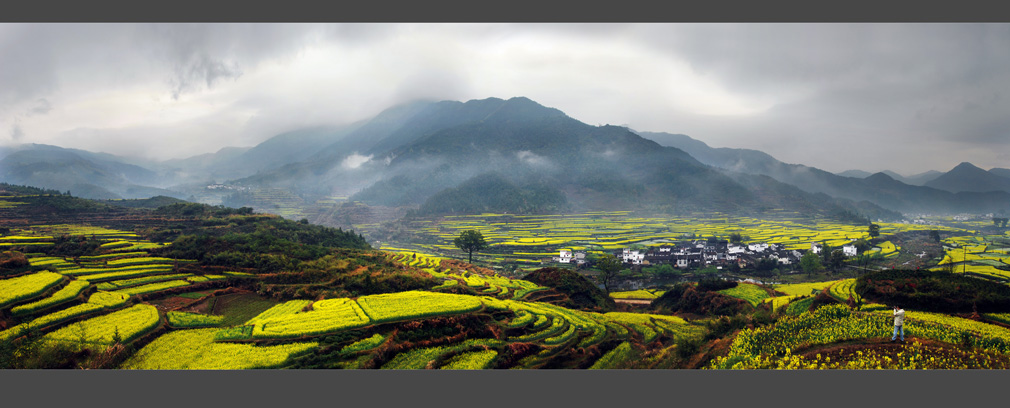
{"type": "Point", "coordinates": [879, 188]}
{"type": "Point", "coordinates": [604, 167]}
{"type": "Point", "coordinates": [84, 174]}
{"type": "Point", "coordinates": [914, 180]}
{"type": "Point", "coordinates": [1000, 172]}
{"type": "Point", "coordinates": [855, 173]}
{"type": "Point", "coordinates": [966, 177]}
{"type": "Point", "coordinates": [438, 155]}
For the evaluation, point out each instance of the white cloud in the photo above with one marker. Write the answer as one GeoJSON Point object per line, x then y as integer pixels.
{"type": "Point", "coordinates": [354, 161]}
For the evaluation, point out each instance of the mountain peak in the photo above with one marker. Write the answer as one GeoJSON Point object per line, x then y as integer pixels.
{"type": "Point", "coordinates": [880, 177]}
{"type": "Point", "coordinates": [966, 166]}
{"type": "Point", "coordinates": [968, 177]}
{"type": "Point", "coordinates": [893, 175]}
{"type": "Point", "coordinates": [521, 108]}
{"type": "Point", "coordinates": [854, 173]}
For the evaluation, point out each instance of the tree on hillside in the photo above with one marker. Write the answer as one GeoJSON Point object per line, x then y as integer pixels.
{"type": "Point", "coordinates": [874, 230]}
{"type": "Point", "coordinates": [837, 258]}
{"type": "Point", "coordinates": [811, 263]}
{"type": "Point", "coordinates": [470, 241]}
{"type": "Point", "coordinates": [735, 238]}
{"type": "Point", "coordinates": [609, 266]}
{"type": "Point", "coordinates": [826, 253]}
{"type": "Point", "coordinates": [935, 235]}
{"type": "Point", "coordinates": [862, 245]}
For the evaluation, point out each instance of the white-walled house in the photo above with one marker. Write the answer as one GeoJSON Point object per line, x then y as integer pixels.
{"type": "Point", "coordinates": [566, 256]}
{"type": "Point", "coordinates": [580, 258]}
{"type": "Point", "coordinates": [816, 247]}
{"type": "Point", "coordinates": [759, 247]}
{"type": "Point", "coordinates": [632, 257]}
{"type": "Point", "coordinates": [682, 261]}
{"type": "Point", "coordinates": [849, 250]}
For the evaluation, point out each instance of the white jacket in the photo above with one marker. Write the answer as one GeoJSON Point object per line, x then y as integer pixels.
{"type": "Point", "coordinates": [899, 317]}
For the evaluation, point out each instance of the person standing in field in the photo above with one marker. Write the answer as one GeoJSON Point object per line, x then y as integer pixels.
{"type": "Point", "coordinates": [899, 318]}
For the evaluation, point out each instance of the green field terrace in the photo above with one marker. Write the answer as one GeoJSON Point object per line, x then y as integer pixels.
{"type": "Point", "coordinates": [526, 240]}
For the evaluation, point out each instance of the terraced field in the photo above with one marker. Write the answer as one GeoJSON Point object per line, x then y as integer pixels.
{"type": "Point", "coordinates": [553, 329]}
{"type": "Point", "coordinates": [983, 255]}
{"type": "Point", "coordinates": [91, 299]}
{"type": "Point", "coordinates": [486, 283]}
{"type": "Point", "coordinates": [99, 300]}
{"type": "Point", "coordinates": [526, 240]}
{"type": "Point", "coordinates": [642, 294]}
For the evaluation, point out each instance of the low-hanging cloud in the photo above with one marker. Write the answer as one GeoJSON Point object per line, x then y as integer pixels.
{"type": "Point", "coordinates": [354, 161]}
{"type": "Point", "coordinates": [534, 159]}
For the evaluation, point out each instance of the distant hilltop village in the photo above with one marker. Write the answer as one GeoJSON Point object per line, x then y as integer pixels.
{"type": "Point", "coordinates": [703, 253]}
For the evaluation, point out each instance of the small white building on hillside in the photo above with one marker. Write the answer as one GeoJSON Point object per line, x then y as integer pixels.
{"type": "Point", "coordinates": [849, 250]}
{"type": "Point", "coordinates": [632, 257]}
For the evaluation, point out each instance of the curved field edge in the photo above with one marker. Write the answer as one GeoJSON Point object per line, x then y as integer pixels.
{"type": "Point", "coordinates": [300, 319]}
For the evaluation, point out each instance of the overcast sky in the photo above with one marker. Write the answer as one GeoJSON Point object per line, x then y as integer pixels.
{"type": "Point", "coordinates": [901, 97]}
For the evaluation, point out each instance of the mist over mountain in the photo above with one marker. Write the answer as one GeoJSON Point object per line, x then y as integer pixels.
{"type": "Point", "coordinates": [84, 174]}
{"type": "Point", "coordinates": [879, 188]}
{"type": "Point", "coordinates": [491, 155]}
{"type": "Point", "coordinates": [528, 143]}
{"type": "Point", "coordinates": [232, 163]}
{"type": "Point", "coordinates": [854, 173]}
{"type": "Point", "coordinates": [596, 167]}
{"type": "Point", "coordinates": [492, 193]}
{"type": "Point", "coordinates": [921, 178]}
{"type": "Point", "coordinates": [915, 180]}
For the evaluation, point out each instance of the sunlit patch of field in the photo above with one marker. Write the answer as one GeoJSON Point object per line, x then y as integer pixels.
{"type": "Point", "coordinates": [646, 294]}
{"type": "Point", "coordinates": [983, 255]}
{"type": "Point", "coordinates": [799, 289]}
{"type": "Point", "coordinates": [753, 294]}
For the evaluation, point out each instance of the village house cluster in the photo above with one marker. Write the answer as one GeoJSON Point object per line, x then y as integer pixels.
{"type": "Point", "coordinates": [703, 253]}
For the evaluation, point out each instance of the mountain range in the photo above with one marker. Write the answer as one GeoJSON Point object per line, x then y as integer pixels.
{"type": "Point", "coordinates": [511, 155]}
{"type": "Point", "coordinates": [959, 190]}
{"type": "Point", "coordinates": [915, 180]}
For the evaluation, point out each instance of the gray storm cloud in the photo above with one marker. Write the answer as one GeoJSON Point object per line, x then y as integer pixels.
{"type": "Point", "coordinates": [904, 97]}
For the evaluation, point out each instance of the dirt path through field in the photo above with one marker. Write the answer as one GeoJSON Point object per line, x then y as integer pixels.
{"type": "Point", "coordinates": [634, 301]}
